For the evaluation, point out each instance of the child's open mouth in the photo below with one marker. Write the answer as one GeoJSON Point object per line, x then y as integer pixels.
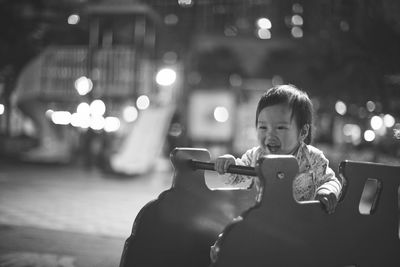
{"type": "Point", "coordinates": [273, 148]}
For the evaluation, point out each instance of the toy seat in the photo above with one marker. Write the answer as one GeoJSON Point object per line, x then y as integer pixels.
{"type": "Point", "coordinates": [179, 227]}
{"type": "Point", "coordinates": [282, 232]}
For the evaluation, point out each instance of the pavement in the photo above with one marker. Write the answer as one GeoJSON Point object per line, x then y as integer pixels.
{"type": "Point", "coordinates": [70, 216]}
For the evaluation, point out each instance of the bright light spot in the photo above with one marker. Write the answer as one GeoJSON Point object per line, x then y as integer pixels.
{"type": "Point", "coordinates": [97, 122]}
{"type": "Point", "coordinates": [48, 113]}
{"type": "Point", "coordinates": [369, 135]}
{"type": "Point", "coordinates": [376, 122]}
{"type": "Point", "coordinates": [143, 102]}
{"type": "Point", "coordinates": [61, 117]}
{"type": "Point", "coordinates": [221, 114]}
{"type": "Point", "coordinates": [112, 124]}
{"type": "Point", "coordinates": [264, 34]}
{"type": "Point", "coordinates": [264, 23]}
{"type": "Point", "coordinates": [97, 108]}
{"type": "Point", "coordinates": [297, 8]}
{"type": "Point", "coordinates": [1, 109]}
{"type": "Point", "coordinates": [388, 120]}
{"type": "Point", "coordinates": [340, 107]}
{"type": "Point", "coordinates": [80, 120]}
{"type": "Point", "coordinates": [83, 108]}
{"type": "Point", "coordinates": [166, 77]}
{"type": "Point", "coordinates": [84, 121]}
{"type": "Point", "coordinates": [297, 32]}
{"type": "Point", "coordinates": [83, 85]}
{"type": "Point", "coordinates": [171, 19]}
{"type": "Point", "coordinates": [185, 3]}
{"type": "Point", "coordinates": [130, 114]}
{"type": "Point", "coordinates": [73, 19]}
{"type": "Point", "coordinates": [75, 120]}
{"type": "Point", "coordinates": [297, 20]}
{"type": "Point", "coordinates": [371, 106]}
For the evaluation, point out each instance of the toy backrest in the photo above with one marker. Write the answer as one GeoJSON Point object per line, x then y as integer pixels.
{"type": "Point", "coordinates": [179, 227]}
{"type": "Point", "coordinates": [283, 232]}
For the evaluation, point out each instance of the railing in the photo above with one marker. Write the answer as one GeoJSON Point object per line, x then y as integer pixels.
{"type": "Point", "coordinates": [112, 71]}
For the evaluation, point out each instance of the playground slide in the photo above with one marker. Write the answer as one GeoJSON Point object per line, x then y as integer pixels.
{"type": "Point", "coordinates": [144, 143]}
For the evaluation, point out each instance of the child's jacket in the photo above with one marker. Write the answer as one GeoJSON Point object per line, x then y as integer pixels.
{"type": "Point", "coordinates": [314, 173]}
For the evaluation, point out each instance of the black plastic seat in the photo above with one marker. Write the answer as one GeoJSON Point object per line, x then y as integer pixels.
{"type": "Point", "coordinates": [282, 232]}
{"type": "Point", "coordinates": [179, 227]}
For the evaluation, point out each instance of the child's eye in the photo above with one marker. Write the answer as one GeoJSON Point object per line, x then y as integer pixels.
{"type": "Point", "coordinates": [262, 127]}
{"type": "Point", "coordinates": [282, 127]}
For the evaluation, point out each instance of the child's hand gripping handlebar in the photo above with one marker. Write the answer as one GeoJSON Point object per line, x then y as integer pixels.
{"type": "Point", "coordinates": [236, 169]}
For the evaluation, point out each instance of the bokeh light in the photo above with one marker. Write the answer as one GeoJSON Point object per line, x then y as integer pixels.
{"type": "Point", "coordinates": [297, 8]}
{"type": "Point", "coordinates": [97, 122]}
{"type": "Point", "coordinates": [97, 108]}
{"type": "Point", "coordinates": [143, 102]}
{"type": "Point", "coordinates": [171, 19]}
{"type": "Point", "coordinates": [221, 114]}
{"type": "Point", "coordinates": [369, 135]}
{"type": "Point", "coordinates": [264, 23]}
{"type": "Point", "coordinates": [111, 124]}
{"type": "Point", "coordinates": [353, 131]}
{"type": "Point", "coordinates": [73, 19]}
{"type": "Point", "coordinates": [376, 122]}
{"type": "Point", "coordinates": [297, 20]}
{"type": "Point", "coordinates": [166, 77]}
{"type": "Point", "coordinates": [83, 108]}
{"type": "Point", "coordinates": [297, 32]}
{"type": "Point", "coordinates": [130, 114]}
{"type": "Point", "coordinates": [340, 107]}
{"type": "Point", "coordinates": [83, 85]}
{"type": "Point", "coordinates": [389, 120]}
{"type": "Point", "coordinates": [48, 113]}
{"type": "Point", "coordinates": [370, 106]}
{"type": "Point", "coordinates": [185, 3]}
{"type": "Point", "coordinates": [61, 117]}
{"type": "Point", "coordinates": [264, 34]}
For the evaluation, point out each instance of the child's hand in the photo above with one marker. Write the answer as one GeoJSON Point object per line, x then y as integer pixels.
{"type": "Point", "coordinates": [223, 162]}
{"type": "Point", "coordinates": [328, 200]}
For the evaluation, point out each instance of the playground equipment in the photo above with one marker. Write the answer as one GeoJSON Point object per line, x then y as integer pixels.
{"type": "Point", "coordinates": [267, 228]}
{"type": "Point", "coordinates": [179, 227]}
{"type": "Point", "coordinates": [116, 67]}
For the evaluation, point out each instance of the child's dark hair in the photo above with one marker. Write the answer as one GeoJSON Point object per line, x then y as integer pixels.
{"type": "Point", "coordinates": [297, 100]}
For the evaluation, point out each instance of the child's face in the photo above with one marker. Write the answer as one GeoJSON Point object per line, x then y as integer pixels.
{"type": "Point", "coordinates": [277, 132]}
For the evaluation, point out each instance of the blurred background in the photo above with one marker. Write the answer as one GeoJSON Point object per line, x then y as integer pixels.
{"type": "Point", "coordinates": [102, 82]}
{"type": "Point", "coordinates": [114, 86]}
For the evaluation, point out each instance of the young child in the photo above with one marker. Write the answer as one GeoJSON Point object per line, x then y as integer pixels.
{"type": "Point", "coordinates": [283, 122]}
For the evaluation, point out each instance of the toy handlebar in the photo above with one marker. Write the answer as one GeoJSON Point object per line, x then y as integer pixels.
{"type": "Point", "coordinates": [236, 169]}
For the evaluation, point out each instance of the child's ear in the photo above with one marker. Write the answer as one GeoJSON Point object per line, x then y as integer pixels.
{"type": "Point", "coordinates": [304, 131]}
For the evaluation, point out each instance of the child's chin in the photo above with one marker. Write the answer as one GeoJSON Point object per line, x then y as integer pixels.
{"type": "Point", "coordinates": [277, 152]}
{"type": "Point", "coordinates": [274, 151]}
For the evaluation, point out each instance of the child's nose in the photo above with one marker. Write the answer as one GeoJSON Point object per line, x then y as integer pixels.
{"type": "Point", "coordinates": [270, 132]}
